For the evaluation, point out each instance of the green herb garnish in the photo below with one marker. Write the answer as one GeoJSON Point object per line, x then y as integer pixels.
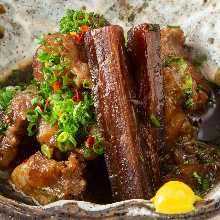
{"type": "Point", "coordinates": [87, 152]}
{"type": "Point", "coordinates": [173, 26]}
{"type": "Point", "coordinates": [6, 95]}
{"type": "Point", "coordinates": [179, 61]}
{"type": "Point", "coordinates": [40, 40]}
{"type": "Point", "coordinates": [3, 126]}
{"type": "Point", "coordinates": [47, 151]}
{"type": "Point", "coordinates": [187, 82]}
{"type": "Point", "coordinates": [154, 27]}
{"type": "Point", "coordinates": [87, 84]}
{"type": "Point", "coordinates": [50, 58]}
{"type": "Point", "coordinates": [203, 183]}
{"type": "Point", "coordinates": [32, 118]}
{"type": "Point", "coordinates": [74, 19]}
{"type": "Point", "coordinates": [98, 146]}
{"type": "Point", "coordinates": [155, 121]}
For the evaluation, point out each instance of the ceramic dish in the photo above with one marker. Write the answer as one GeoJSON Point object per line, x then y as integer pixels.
{"type": "Point", "coordinates": [22, 20]}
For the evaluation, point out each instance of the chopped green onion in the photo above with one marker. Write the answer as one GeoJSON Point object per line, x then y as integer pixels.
{"type": "Point", "coordinates": [40, 40]}
{"type": "Point", "coordinates": [180, 61]}
{"type": "Point", "coordinates": [3, 126]}
{"type": "Point", "coordinates": [98, 149]}
{"type": "Point", "coordinates": [32, 118]}
{"type": "Point", "coordinates": [43, 56]}
{"type": "Point", "coordinates": [47, 151]}
{"type": "Point", "coordinates": [6, 95]}
{"type": "Point", "coordinates": [188, 103]}
{"type": "Point", "coordinates": [187, 82]}
{"type": "Point", "coordinates": [87, 153]}
{"type": "Point", "coordinates": [74, 19]}
{"type": "Point", "coordinates": [203, 183]}
{"type": "Point", "coordinates": [63, 137]}
{"type": "Point", "coordinates": [154, 27]}
{"type": "Point", "coordinates": [65, 142]}
{"type": "Point", "coordinates": [173, 26]}
{"type": "Point", "coordinates": [65, 147]}
{"type": "Point", "coordinates": [155, 121]}
{"type": "Point", "coordinates": [58, 39]}
{"type": "Point", "coordinates": [35, 100]}
{"type": "Point", "coordinates": [87, 84]}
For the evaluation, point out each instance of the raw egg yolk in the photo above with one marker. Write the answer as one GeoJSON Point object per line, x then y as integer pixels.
{"type": "Point", "coordinates": [175, 197]}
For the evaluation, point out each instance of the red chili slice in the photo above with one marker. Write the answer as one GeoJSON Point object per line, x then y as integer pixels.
{"type": "Point", "coordinates": [84, 28]}
{"type": "Point", "coordinates": [90, 141]}
{"type": "Point", "coordinates": [39, 104]}
{"type": "Point", "coordinates": [47, 103]}
{"type": "Point", "coordinates": [77, 96]}
{"type": "Point", "coordinates": [56, 86]}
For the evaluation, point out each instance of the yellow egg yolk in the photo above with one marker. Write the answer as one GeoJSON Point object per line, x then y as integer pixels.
{"type": "Point", "coordinates": [175, 197]}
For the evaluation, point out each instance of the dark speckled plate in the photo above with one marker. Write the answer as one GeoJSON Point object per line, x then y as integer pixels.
{"type": "Point", "coordinates": [22, 20]}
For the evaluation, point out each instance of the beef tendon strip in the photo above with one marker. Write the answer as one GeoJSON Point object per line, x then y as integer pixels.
{"type": "Point", "coordinates": [48, 180]}
{"type": "Point", "coordinates": [115, 114]}
{"type": "Point", "coordinates": [17, 124]}
{"type": "Point", "coordinates": [144, 53]}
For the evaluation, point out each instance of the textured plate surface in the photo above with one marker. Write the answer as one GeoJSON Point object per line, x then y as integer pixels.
{"type": "Point", "coordinates": [23, 20]}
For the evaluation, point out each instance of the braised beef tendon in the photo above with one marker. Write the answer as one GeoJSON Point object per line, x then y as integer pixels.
{"type": "Point", "coordinates": [115, 113]}
{"type": "Point", "coordinates": [186, 93]}
{"type": "Point", "coordinates": [144, 52]}
{"type": "Point", "coordinates": [47, 134]}
{"type": "Point", "coordinates": [17, 118]}
{"type": "Point", "coordinates": [64, 57]}
{"type": "Point", "coordinates": [63, 121]}
{"type": "Point", "coordinates": [102, 121]}
{"type": "Point", "coordinates": [48, 180]}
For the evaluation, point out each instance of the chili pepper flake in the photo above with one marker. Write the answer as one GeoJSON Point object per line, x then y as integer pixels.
{"type": "Point", "coordinates": [90, 141]}
{"type": "Point", "coordinates": [56, 86]}
{"type": "Point", "coordinates": [77, 96]}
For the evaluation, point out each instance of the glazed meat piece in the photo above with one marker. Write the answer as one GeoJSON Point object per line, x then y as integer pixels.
{"type": "Point", "coordinates": [177, 123]}
{"type": "Point", "coordinates": [11, 138]}
{"type": "Point", "coordinates": [48, 180]}
{"type": "Point", "coordinates": [195, 163]}
{"type": "Point", "coordinates": [172, 43]}
{"type": "Point", "coordinates": [115, 114]}
{"type": "Point", "coordinates": [47, 134]}
{"type": "Point", "coordinates": [144, 53]}
{"type": "Point", "coordinates": [186, 92]}
{"type": "Point", "coordinates": [62, 50]}
{"type": "Point", "coordinates": [195, 91]}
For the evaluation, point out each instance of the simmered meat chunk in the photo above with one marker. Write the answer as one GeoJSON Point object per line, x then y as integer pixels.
{"type": "Point", "coordinates": [172, 43]}
{"type": "Point", "coordinates": [68, 57]}
{"type": "Point", "coordinates": [193, 162]}
{"type": "Point", "coordinates": [177, 122]}
{"type": "Point", "coordinates": [48, 180]}
{"type": "Point", "coordinates": [185, 89]}
{"type": "Point", "coordinates": [186, 92]}
{"type": "Point", "coordinates": [17, 128]}
{"type": "Point", "coordinates": [47, 134]}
